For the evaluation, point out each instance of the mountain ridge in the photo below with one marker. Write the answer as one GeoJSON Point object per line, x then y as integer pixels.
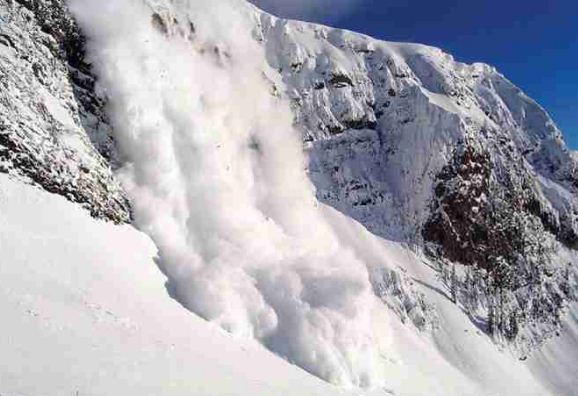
{"type": "Point", "coordinates": [506, 152]}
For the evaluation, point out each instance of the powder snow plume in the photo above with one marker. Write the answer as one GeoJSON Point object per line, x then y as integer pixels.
{"type": "Point", "coordinates": [215, 172]}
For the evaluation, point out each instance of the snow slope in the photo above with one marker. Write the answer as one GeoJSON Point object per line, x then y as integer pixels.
{"type": "Point", "coordinates": [85, 311]}
{"type": "Point", "coordinates": [555, 364]}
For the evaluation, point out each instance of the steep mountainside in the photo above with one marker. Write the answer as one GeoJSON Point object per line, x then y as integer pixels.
{"type": "Point", "coordinates": [401, 103]}
{"type": "Point", "coordinates": [53, 129]}
{"type": "Point", "coordinates": [448, 159]}
{"type": "Point", "coordinates": [423, 149]}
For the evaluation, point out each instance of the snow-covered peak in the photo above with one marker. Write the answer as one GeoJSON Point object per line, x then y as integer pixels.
{"type": "Point", "coordinates": [417, 104]}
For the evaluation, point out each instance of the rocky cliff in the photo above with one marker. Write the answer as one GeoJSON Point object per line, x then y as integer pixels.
{"type": "Point", "coordinates": [53, 128]}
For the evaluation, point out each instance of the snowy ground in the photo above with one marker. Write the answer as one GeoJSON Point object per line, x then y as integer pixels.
{"type": "Point", "coordinates": [557, 363]}
{"type": "Point", "coordinates": [85, 312]}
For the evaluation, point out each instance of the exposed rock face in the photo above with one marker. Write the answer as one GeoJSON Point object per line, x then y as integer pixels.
{"type": "Point", "coordinates": [497, 228]}
{"type": "Point", "coordinates": [53, 129]}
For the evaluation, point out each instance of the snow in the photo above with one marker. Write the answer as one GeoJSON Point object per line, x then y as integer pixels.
{"type": "Point", "coordinates": [55, 109]}
{"type": "Point", "coordinates": [556, 363]}
{"type": "Point", "coordinates": [85, 311]}
{"type": "Point", "coordinates": [458, 358]}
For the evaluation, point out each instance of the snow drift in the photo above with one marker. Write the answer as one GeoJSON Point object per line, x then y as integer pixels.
{"type": "Point", "coordinates": [216, 175]}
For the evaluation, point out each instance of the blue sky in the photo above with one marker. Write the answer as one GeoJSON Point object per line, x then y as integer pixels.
{"type": "Point", "coordinates": [533, 42]}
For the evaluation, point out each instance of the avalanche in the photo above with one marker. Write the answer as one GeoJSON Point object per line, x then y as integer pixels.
{"type": "Point", "coordinates": [216, 175]}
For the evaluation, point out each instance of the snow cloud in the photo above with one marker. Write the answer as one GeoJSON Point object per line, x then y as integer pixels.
{"type": "Point", "coordinates": [325, 10]}
{"type": "Point", "coordinates": [215, 172]}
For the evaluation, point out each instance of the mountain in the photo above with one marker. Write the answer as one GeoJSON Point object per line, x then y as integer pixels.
{"type": "Point", "coordinates": [437, 223]}
{"type": "Point", "coordinates": [452, 157]}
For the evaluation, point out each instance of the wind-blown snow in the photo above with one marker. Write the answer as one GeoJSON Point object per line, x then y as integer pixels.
{"type": "Point", "coordinates": [216, 175]}
{"type": "Point", "coordinates": [308, 9]}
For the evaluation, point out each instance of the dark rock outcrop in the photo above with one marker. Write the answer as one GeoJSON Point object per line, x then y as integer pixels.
{"type": "Point", "coordinates": [53, 128]}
